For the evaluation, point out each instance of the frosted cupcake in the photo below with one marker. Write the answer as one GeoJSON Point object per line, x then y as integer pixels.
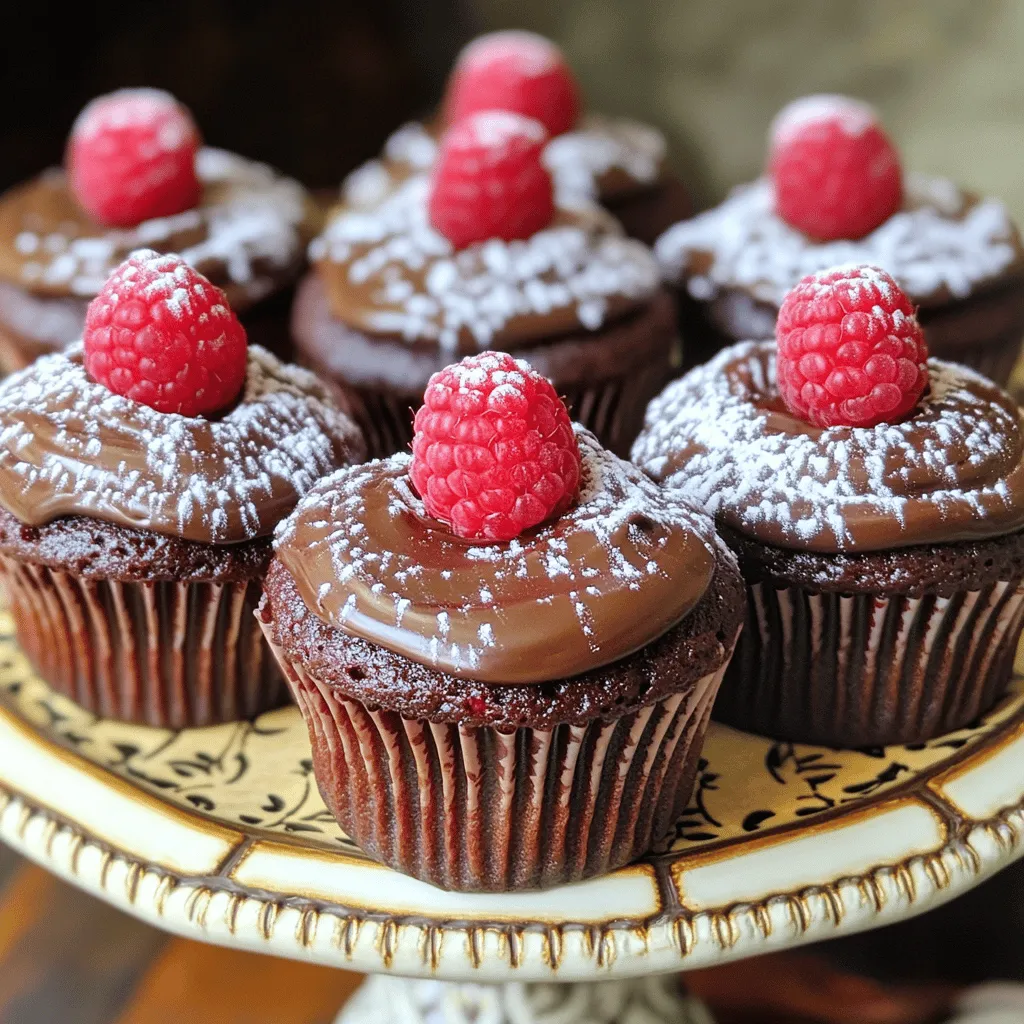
{"type": "Point", "coordinates": [141, 475]}
{"type": "Point", "coordinates": [876, 503]}
{"type": "Point", "coordinates": [506, 645]}
{"type": "Point", "coordinates": [834, 193]}
{"type": "Point", "coordinates": [483, 254]}
{"type": "Point", "coordinates": [138, 177]}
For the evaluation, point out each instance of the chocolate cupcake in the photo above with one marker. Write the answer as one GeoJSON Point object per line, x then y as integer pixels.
{"type": "Point", "coordinates": [824, 203]}
{"type": "Point", "coordinates": [480, 256]}
{"type": "Point", "coordinates": [617, 161]}
{"type": "Point", "coordinates": [514, 696]}
{"type": "Point", "coordinates": [137, 178]}
{"type": "Point", "coordinates": [884, 561]}
{"type": "Point", "coordinates": [135, 526]}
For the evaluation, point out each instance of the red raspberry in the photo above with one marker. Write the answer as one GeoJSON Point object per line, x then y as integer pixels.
{"type": "Point", "coordinates": [132, 157]}
{"type": "Point", "coordinates": [489, 181]}
{"type": "Point", "coordinates": [835, 171]}
{"type": "Point", "coordinates": [851, 352]}
{"type": "Point", "coordinates": [493, 452]}
{"type": "Point", "coordinates": [518, 71]}
{"type": "Point", "coordinates": [159, 333]}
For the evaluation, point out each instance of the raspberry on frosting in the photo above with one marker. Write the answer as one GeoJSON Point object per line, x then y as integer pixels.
{"type": "Point", "coordinates": [490, 181]}
{"type": "Point", "coordinates": [494, 452]}
{"type": "Point", "coordinates": [850, 349]}
{"type": "Point", "coordinates": [835, 172]}
{"type": "Point", "coordinates": [132, 157]}
{"type": "Point", "coordinates": [161, 334]}
{"type": "Point", "coordinates": [518, 71]}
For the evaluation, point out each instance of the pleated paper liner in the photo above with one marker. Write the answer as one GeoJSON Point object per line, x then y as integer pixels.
{"type": "Point", "coordinates": [477, 808]}
{"type": "Point", "coordinates": [869, 670]}
{"type": "Point", "coordinates": [163, 654]}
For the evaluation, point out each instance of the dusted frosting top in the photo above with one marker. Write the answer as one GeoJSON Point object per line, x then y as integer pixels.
{"type": "Point", "coordinates": [69, 446]}
{"type": "Point", "coordinates": [952, 471]}
{"type": "Point", "coordinates": [602, 158]}
{"type": "Point", "coordinates": [941, 245]}
{"type": "Point", "coordinates": [250, 228]}
{"type": "Point", "coordinates": [389, 272]}
{"type": "Point", "coordinates": [624, 565]}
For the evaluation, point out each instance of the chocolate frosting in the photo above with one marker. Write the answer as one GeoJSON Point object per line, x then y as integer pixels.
{"type": "Point", "coordinates": [603, 158]}
{"type": "Point", "coordinates": [942, 245]}
{"type": "Point", "coordinates": [952, 471]}
{"type": "Point", "coordinates": [70, 446]}
{"type": "Point", "coordinates": [389, 273]}
{"type": "Point", "coordinates": [251, 226]}
{"type": "Point", "coordinates": [629, 561]}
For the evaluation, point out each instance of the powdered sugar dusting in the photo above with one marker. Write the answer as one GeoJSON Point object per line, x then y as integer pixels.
{"type": "Point", "coordinates": [954, 469]}
{"type": "Point", "coordinates": [940, 242]}
{"type": "Point", "coordinates": [412, 283]}
{"type": "Point", "coordinates": [497, 129]}
{"type": "Point", "coordinates": [69, 445]}
{"type": "Point", "coordinates": [627, 548]}
{"type": "Point", "coordinates": [853, 117]}
{"type": "Point", "coordinates": [142, 108]}
{"type": "Point", "coordinates": [248, 228]}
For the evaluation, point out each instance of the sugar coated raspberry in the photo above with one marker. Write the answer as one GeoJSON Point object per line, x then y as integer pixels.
{"type": "Point", "coordinates": [489, 181]}
{"type": "Point", "coordinates": [835, 172]}
{"type": "Point", "coordinates": [851, 352]}
{"type": "Point", "coordinates": [518, 71]}
{"type": "Point", "coordinates": [159, 333]}
{"type": "Point", "coordinates": [493, 452]}
{"type": "Point", "coordinates": [132, 157]}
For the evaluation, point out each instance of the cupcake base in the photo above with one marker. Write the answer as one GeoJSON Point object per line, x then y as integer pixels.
{"type": "Point", "coordinates": [101, 624]}
{"type": "Point", "coordinates": [834, 653]}
{"type": "Point", "coordinates": [607, 378]}
{"type": "Point", "coordinates": [471, 786]}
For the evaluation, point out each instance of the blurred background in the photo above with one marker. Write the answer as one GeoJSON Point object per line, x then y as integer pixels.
{"type": "Point", "coordinates": [314, 88]}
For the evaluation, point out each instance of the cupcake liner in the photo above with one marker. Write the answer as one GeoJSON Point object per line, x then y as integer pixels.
{"type": "Point", "coordinates": [165, 654]}
{"type": "Point", "coordinates": [479, 808]}
{"type": "Point", "coordinates": [866, 669]}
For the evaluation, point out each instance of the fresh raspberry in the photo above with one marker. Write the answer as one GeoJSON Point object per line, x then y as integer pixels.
{"type": "Point", "coordinates": [493, 452]}
{"type": "Point", "coordinates": [489, 181]}
{"type": "Point", "coordinates": [518, 71]}
{"type": "Point", "coordinates": [132, 157]}
{"type": "Point", "coordinates": [159, 333]}
{"type": "Point", "coordinates": [836, 173]}
{"type": "Point", "coordinates": [851, 352]}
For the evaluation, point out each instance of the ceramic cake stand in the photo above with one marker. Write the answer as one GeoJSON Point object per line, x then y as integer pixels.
{"type": "Point", "coordinates": [220, 834]}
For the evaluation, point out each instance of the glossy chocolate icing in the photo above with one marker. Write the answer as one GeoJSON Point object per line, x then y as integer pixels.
{"type": "Point", "coordinates": [389, 273]}
{"type": "Point", "coordinates": [952, 471]}
{"type": "Point", "coordinates": [624, 565]}
{"type": "Point", "coordinates": [247, 235]}
{"type": "Point", "coordinates": [69, 446]}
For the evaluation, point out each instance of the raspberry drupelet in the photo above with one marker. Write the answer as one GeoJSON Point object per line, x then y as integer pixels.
{"type": "Point", "coordinates": [494, 452]}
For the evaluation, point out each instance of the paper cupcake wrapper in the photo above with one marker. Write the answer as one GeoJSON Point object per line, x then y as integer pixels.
{"type": "Point", "coordinates": [163, 654]}
{"type": "Point", "coordinates": [476, 808]}
{"type": "Point", "coordinates": [868, 670]}
{"type": "Point", "coordinates": [613, 409]}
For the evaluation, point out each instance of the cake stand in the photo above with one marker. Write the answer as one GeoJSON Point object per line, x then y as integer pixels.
{"type": "Point", "coordinates": [219, 834]}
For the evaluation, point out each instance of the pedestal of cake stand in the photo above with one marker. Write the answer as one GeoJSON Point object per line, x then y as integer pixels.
{"type": "Point", "coordinates": [384, 1000]}
{"type": "Point", "coordinates": [220, 835]}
